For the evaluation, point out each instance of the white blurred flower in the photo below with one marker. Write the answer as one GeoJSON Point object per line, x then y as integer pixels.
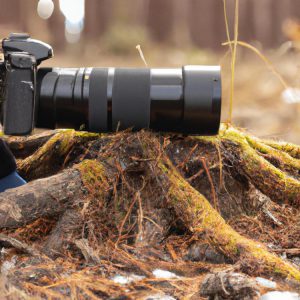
{"type": "Point", "coordinates": [45, 8]}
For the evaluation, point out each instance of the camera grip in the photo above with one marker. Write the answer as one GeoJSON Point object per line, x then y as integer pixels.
{"type": "Point", "coordinates": [18, 108]}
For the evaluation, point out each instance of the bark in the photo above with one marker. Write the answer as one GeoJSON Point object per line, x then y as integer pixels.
{"type": "Point", "coordinates": [42, 198]}
{"type": "Point", "coordinates": [229, 285]}
{"type": "Point", "coordinates": [25, 146]}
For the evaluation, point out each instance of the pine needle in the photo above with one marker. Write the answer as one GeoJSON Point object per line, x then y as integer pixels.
{"type": "Point", "coordinates": [227, 25]}
{"type": "Point", "coordinates": [139, 49]}
{"type": "Point", "coordinates": [268, 63]}
{"type": "Point", "coordinates": [233, 57]}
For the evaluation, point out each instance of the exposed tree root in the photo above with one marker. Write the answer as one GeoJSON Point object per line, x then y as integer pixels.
{"type": "Point", "coordinates": [24, 146]}
{"type": "Point", "coordinates": [262, 173]}
{"type": "Point", "coordinates": [203, 219]}
{"type": "Point", "coordinates": [290, 148]}
{"type": "Point", "coordinates": [199, 217]}
{"type": "Point", "coordinates": [46, 197]}
{"type": "Point", "coordinates": [281, 159]}
{"type": "Point", "coordinates": [54, 153]}
{"type": "Point", "coordinates": [129, 203]}
{"type": "Point", "coordinates": [12, 242]}
{"type": "Point", "coordinates": [225, 284]}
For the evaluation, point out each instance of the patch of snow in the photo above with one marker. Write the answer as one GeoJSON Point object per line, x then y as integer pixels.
{"type": "Point", "coordinates": [283, 255]}
{"type": "Point", "coordinates": [3, 250]}
{"type": "Point", "coordinates": [121, 279]}
{"type": "Point", "coordinates": [8, 264]}
{"type": "Point", "coordinates": [158, 273]}
{"type": "Point", "coordinates": [296, 261]}
{"type": "Point", "coordinates": [280, 296]}
{"type": "Point", "coordinates": [159, 297]}
{"type": "Point", "coordinates": [266, 283]}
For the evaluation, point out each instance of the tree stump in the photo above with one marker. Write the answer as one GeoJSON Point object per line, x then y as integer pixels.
{"type": "Point", "coordinates": [103, 214]}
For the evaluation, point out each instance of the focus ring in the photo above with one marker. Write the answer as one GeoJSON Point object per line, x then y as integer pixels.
{"type": "Point", "coordinates": [98, 100]}
{"type": "Point", "coordinates": [131, 99]}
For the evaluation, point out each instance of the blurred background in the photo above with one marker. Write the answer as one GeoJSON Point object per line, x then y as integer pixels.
{"type": "Point", "coordinates": [174, 33]}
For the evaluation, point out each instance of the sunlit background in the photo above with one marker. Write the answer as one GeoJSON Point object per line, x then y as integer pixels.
{"type": "Point", "coordinates": [176, 32]}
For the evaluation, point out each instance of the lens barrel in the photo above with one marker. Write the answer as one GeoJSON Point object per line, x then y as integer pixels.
{"type": "Point", "coordinates": [185, 100]}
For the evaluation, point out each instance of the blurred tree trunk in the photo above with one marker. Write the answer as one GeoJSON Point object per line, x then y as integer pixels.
{"type": "Point", "coordinates": [206, 21]}
{"type": "Point", "coordinates": [142, 12]}
{"type": "Point", "coordinates": [181, 33]}
{"type": "Point", "coordinates": [32, 23]}
{"type": "Point", "coordinates": [161, 19]}
{"type": "Point", "coordinates": [56, 25]}
{"type": "Point", "coordinates": [246, 15]}
{"type": "Point", "coordinates": [281, 12]}
{"type": "Point", "coordinates": [97, 18]}
{"type": "Point", "coordinates": [295, 9]}
{"type": "Point", "coordinates": [263, 21]}
{"type": "Point", "coordinates": [10, 13]}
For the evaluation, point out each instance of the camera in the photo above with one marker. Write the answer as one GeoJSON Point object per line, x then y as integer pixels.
{"type": "Point", "coordinates": [184, 100]}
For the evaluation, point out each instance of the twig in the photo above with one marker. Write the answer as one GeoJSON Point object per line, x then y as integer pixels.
{"type": "Point", "coordinates": [187, 158]}
{"type": "Point", "coordinates": [213, 192]}
{"type": "Point", "coordinates": [139, 49]}
{"type": "Point", "coordinates": [126, 218]}
{"type": "Point", "coordinates": [21, 246]}
{"type": "Point", "coordinates": [233, 57]}
{"type": "Point", "coordinates": [88, 252]}
{"type": "Point", "coordinates": [291, 251]}
{"type": "Point", "coordinates": [268, 63]}
{"type": "Point", "coordinates": [226, 25]}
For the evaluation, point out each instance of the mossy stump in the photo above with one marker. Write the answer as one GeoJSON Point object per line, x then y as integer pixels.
{"type": "Point", "coordinates": [102, 206]}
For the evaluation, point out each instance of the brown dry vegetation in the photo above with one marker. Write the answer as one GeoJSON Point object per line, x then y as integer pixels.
{"type": "Point", "coordinates": [127, 203]}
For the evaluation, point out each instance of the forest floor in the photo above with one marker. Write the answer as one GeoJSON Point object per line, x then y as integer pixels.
{"type": "Point", "coordinates": [150, 216]}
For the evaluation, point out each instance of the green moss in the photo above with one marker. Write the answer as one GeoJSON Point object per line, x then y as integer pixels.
{"type": "Point", "coordinates": [63, 140]}
{"type": "Point", "coordinates": [88, 135]}
{"type": "Point", "coordinates": [290, 148]}
{"type": "Point", "coordinates": [92, 173]}
{"type": "Point", "coordinates": [261, 172]}
{"type": "Point", "coordinates": [68, 137]}
{"type": "Point", "coordinates": [60, 144]}
{"type": "Point", "coordinates": [283, 157]}
{"type": "Point", "coordinates": [164, 168]}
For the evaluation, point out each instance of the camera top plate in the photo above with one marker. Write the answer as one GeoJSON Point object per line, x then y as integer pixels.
{"type": "Point", "coordinates": [21, 42]}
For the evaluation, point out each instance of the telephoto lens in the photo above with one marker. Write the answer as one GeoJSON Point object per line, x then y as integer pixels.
{"type": "Point", "coordinates": [184, 100]}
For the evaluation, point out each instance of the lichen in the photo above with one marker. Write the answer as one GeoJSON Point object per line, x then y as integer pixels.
{"type": "Point", "coordinates": [92, 173]}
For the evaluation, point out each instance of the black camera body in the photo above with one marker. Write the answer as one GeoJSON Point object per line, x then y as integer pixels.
{"type": "Point", "coordinates": [22, 55]}
{"type": "Point", "coordinates": [184, 100]}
